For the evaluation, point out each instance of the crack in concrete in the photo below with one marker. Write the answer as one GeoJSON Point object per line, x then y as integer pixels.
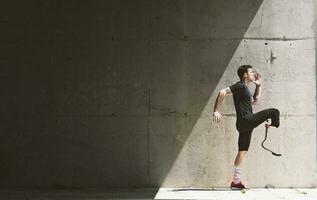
{"type": "Point", "coordinates": [272, 58]}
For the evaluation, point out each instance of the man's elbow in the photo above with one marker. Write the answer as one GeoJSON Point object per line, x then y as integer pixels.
{"type": "Point", "coordinates": [222, 93]}
{"type": "Point", "coordinates": [255, 100]}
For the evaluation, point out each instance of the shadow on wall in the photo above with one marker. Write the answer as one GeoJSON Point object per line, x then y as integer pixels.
{"type": "Point", "coordinates": [106, 93]}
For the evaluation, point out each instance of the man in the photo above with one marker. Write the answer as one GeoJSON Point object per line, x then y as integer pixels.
{"type": "Point", "coordinates": [246, 119]}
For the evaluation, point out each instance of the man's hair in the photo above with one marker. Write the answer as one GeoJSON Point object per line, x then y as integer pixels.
{"type": "Point", "coordinates": [243, 69]}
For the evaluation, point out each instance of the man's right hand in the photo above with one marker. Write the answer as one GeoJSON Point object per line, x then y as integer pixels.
{"type": "Point", "coordinates": [217, 116]}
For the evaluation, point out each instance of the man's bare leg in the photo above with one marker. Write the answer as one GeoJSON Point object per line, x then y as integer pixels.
{"type": "Point", "coordinates": [237, 163]}
{"type": "Point", "coordinates": [240, 158]}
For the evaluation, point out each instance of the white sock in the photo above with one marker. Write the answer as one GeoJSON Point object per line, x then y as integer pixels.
{"type": "Point", "coordinates": [236, 175]}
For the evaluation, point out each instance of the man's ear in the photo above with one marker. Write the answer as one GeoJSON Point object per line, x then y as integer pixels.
{"type": "Point", "coordinates": [245, 75]}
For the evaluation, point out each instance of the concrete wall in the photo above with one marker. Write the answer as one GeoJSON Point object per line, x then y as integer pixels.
{"type": "Point", "coordinates": [120, 93]}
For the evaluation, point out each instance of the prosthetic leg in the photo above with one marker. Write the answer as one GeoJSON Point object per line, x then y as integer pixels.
{"type": "Point", "coordinates": [266, 130]}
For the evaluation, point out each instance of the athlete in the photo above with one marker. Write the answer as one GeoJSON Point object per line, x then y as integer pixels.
{"type": "Point", "coordinates": [246, 119]}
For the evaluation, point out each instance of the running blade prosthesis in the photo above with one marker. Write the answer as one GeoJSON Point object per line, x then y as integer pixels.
{"type": "Point", "coordinates": [275, 154]}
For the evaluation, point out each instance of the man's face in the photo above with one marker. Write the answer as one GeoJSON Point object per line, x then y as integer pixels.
{"type": "Point", "coordinates": [249, 76]}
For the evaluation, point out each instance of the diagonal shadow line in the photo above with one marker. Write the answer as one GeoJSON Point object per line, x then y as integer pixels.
{"type": "Point", "coordinates": [176, 114]}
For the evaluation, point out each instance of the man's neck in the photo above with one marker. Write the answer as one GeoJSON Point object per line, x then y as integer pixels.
{"type": "Point", "coordinates": [245, 81]}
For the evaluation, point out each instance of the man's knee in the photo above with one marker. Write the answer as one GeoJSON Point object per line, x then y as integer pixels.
{"type": "Point", "coordinates": [274, 111]}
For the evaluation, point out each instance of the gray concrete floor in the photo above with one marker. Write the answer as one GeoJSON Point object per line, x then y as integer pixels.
{"type": "Point", "coordinates": [162, 193]}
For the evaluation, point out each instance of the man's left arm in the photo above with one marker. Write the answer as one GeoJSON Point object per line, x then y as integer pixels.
{"type": "Point", "coordinates": [257, 92]}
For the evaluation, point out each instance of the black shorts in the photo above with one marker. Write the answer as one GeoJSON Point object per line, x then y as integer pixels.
{"type": "Point", "coordinates": [245, 126]}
